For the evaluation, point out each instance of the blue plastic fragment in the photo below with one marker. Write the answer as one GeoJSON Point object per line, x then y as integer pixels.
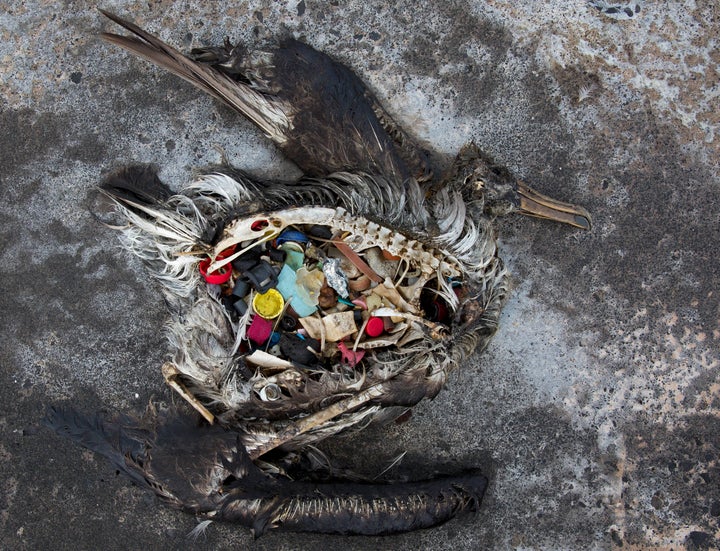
{"type": "Point", "coordinates": [291, 235]}
{"type": "Point", "coordinates": [287, 285]}
{"type": "Point", "coordinates": [242, 286]}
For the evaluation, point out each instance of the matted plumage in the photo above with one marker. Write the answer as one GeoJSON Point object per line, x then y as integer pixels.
{"type": "Point", "coordinates": [407, 261]}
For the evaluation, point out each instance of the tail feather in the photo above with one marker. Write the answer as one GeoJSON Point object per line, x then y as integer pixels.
{"type": "Point", "coordinates": [272, 116]}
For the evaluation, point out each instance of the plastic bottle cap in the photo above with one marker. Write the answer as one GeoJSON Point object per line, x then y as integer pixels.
{"type": "Point", "coordinates": [220, 276]}
{"type": "Point", "coordinates": [288, 323]}
{"type": "Point", "coordinates": [269, 304]}
{"type": "Point", "coordinates": [375, 327]}
{"type": "Point", "coordinates": [291, 235]}
{"type": "Point", "coordinates": [214, 278]}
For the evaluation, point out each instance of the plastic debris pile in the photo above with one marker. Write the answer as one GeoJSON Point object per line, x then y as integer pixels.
{"type": "Point", "coordinates": [307, 300]}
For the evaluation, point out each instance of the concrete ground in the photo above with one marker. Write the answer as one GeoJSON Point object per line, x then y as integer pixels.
{"type": "Point", "coordinates": [595, 410]}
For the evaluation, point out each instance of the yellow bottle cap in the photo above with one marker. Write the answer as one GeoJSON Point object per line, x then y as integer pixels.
{"type": "Point", "coordinates": [268, 305]}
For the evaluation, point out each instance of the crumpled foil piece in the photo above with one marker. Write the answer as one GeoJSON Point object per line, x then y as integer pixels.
{"type": "Point", "coordinates": [335, 277]}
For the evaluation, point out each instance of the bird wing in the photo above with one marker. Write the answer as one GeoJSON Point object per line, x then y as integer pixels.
{"type": "Point", "coordinates": [338, 124]}
{"type": "Point", "coordinates": [317, 110]}
{"type": "Point", "coordinates": [271, 115]}
{"type": "Point", "coordinates": [205, 470]}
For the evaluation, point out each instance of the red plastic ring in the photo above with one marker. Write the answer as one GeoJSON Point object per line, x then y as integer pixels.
{"type": "Point", "coordinates": [219, 276]}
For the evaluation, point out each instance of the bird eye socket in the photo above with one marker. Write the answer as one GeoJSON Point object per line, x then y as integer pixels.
{"type": "Point", "coordinates": [259, 225]}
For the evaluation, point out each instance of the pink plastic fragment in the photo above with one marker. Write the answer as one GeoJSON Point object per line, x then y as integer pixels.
{"type": "Point", "coordinates": [348, 357]}
{"type": "Point", "coordinates": [259, 330]}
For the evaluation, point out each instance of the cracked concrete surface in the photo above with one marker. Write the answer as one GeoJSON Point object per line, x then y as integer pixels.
{"type": "Point", "coordinates": [596, 408]}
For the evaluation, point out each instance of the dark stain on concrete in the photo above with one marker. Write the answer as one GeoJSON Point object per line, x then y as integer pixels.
{"type": "Point", "coordinates": [683, 466]}
{"type": "Point", "coordinates": [26, 136]}
{"type": "Point", "coordinates": [661, 249]}
{"type": "Point", "coordinates": [472, 82]}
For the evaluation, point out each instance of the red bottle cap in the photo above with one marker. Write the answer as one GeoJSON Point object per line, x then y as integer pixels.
{"type": "Point", "coordinates": [374, 327]}
{"type": "Point", "coordinates": [214, 278]}
{"type": "Point", "coordinates": [220, 276]}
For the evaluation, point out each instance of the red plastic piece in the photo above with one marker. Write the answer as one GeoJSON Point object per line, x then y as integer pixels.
{"type": "Point", "coordinates": [375, 327]}
{"type": "Point", "coordinates": [347, 356]}
{"type": "Point", "coordinates": [220, 276]}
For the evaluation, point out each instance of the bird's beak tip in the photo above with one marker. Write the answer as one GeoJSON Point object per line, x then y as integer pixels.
{"type": "Point", "coordinates": [536, 204]}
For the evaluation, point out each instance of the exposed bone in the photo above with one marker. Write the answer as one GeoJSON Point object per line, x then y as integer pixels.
{"type": "Point", "coordinates": [387, 290]}
{"type": "Point", "coordinates": [170, 372]}
{"type": "Point", "coordinates": [217, 264]}
{"type": "Point", "coordinates": [412, 292]}
{"type": "Point", "coordinates": [368, 233]}
{"type": "Point", "coordinates": [316, 419]}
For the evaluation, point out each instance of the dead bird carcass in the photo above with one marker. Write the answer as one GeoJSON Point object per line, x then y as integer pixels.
{"type": "Point", "coordinates": [304, 309]}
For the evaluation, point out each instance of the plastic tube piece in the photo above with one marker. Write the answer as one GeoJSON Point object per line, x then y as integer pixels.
{"type": "Point", "coordinates": [242, 286]}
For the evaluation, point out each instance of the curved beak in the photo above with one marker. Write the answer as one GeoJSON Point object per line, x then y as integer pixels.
{"type": "Point", "coordinates": [536, 204]}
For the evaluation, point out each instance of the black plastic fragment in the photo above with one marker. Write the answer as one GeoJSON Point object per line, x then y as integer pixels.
{"type": "Point", "coordinates": [297, 350]}
{"type": "Point", "coordinates": [262, 276]}
{"type": "Point", "coordinates": [320, 232]}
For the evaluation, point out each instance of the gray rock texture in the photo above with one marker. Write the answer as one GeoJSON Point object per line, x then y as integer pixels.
{"type": "Point", "coordinates": [595, 410]}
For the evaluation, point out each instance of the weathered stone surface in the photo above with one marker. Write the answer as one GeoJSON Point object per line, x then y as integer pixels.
{"type": "Point", "coordinates": [595, 410]}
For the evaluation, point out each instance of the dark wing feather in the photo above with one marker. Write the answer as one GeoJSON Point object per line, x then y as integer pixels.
{"type": "Point", "coordinates": [118, 439]}
{"type": "Point", "coordinates": [206, 470]}
{"type": "Point", "coordinates": [316, 109]}
{"type": "Point", "coordinates": [336, 124]}
{"type": "Point", "coordinates": [271, 116]}
{"type": "Point", "coordinates": [137, 184]}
